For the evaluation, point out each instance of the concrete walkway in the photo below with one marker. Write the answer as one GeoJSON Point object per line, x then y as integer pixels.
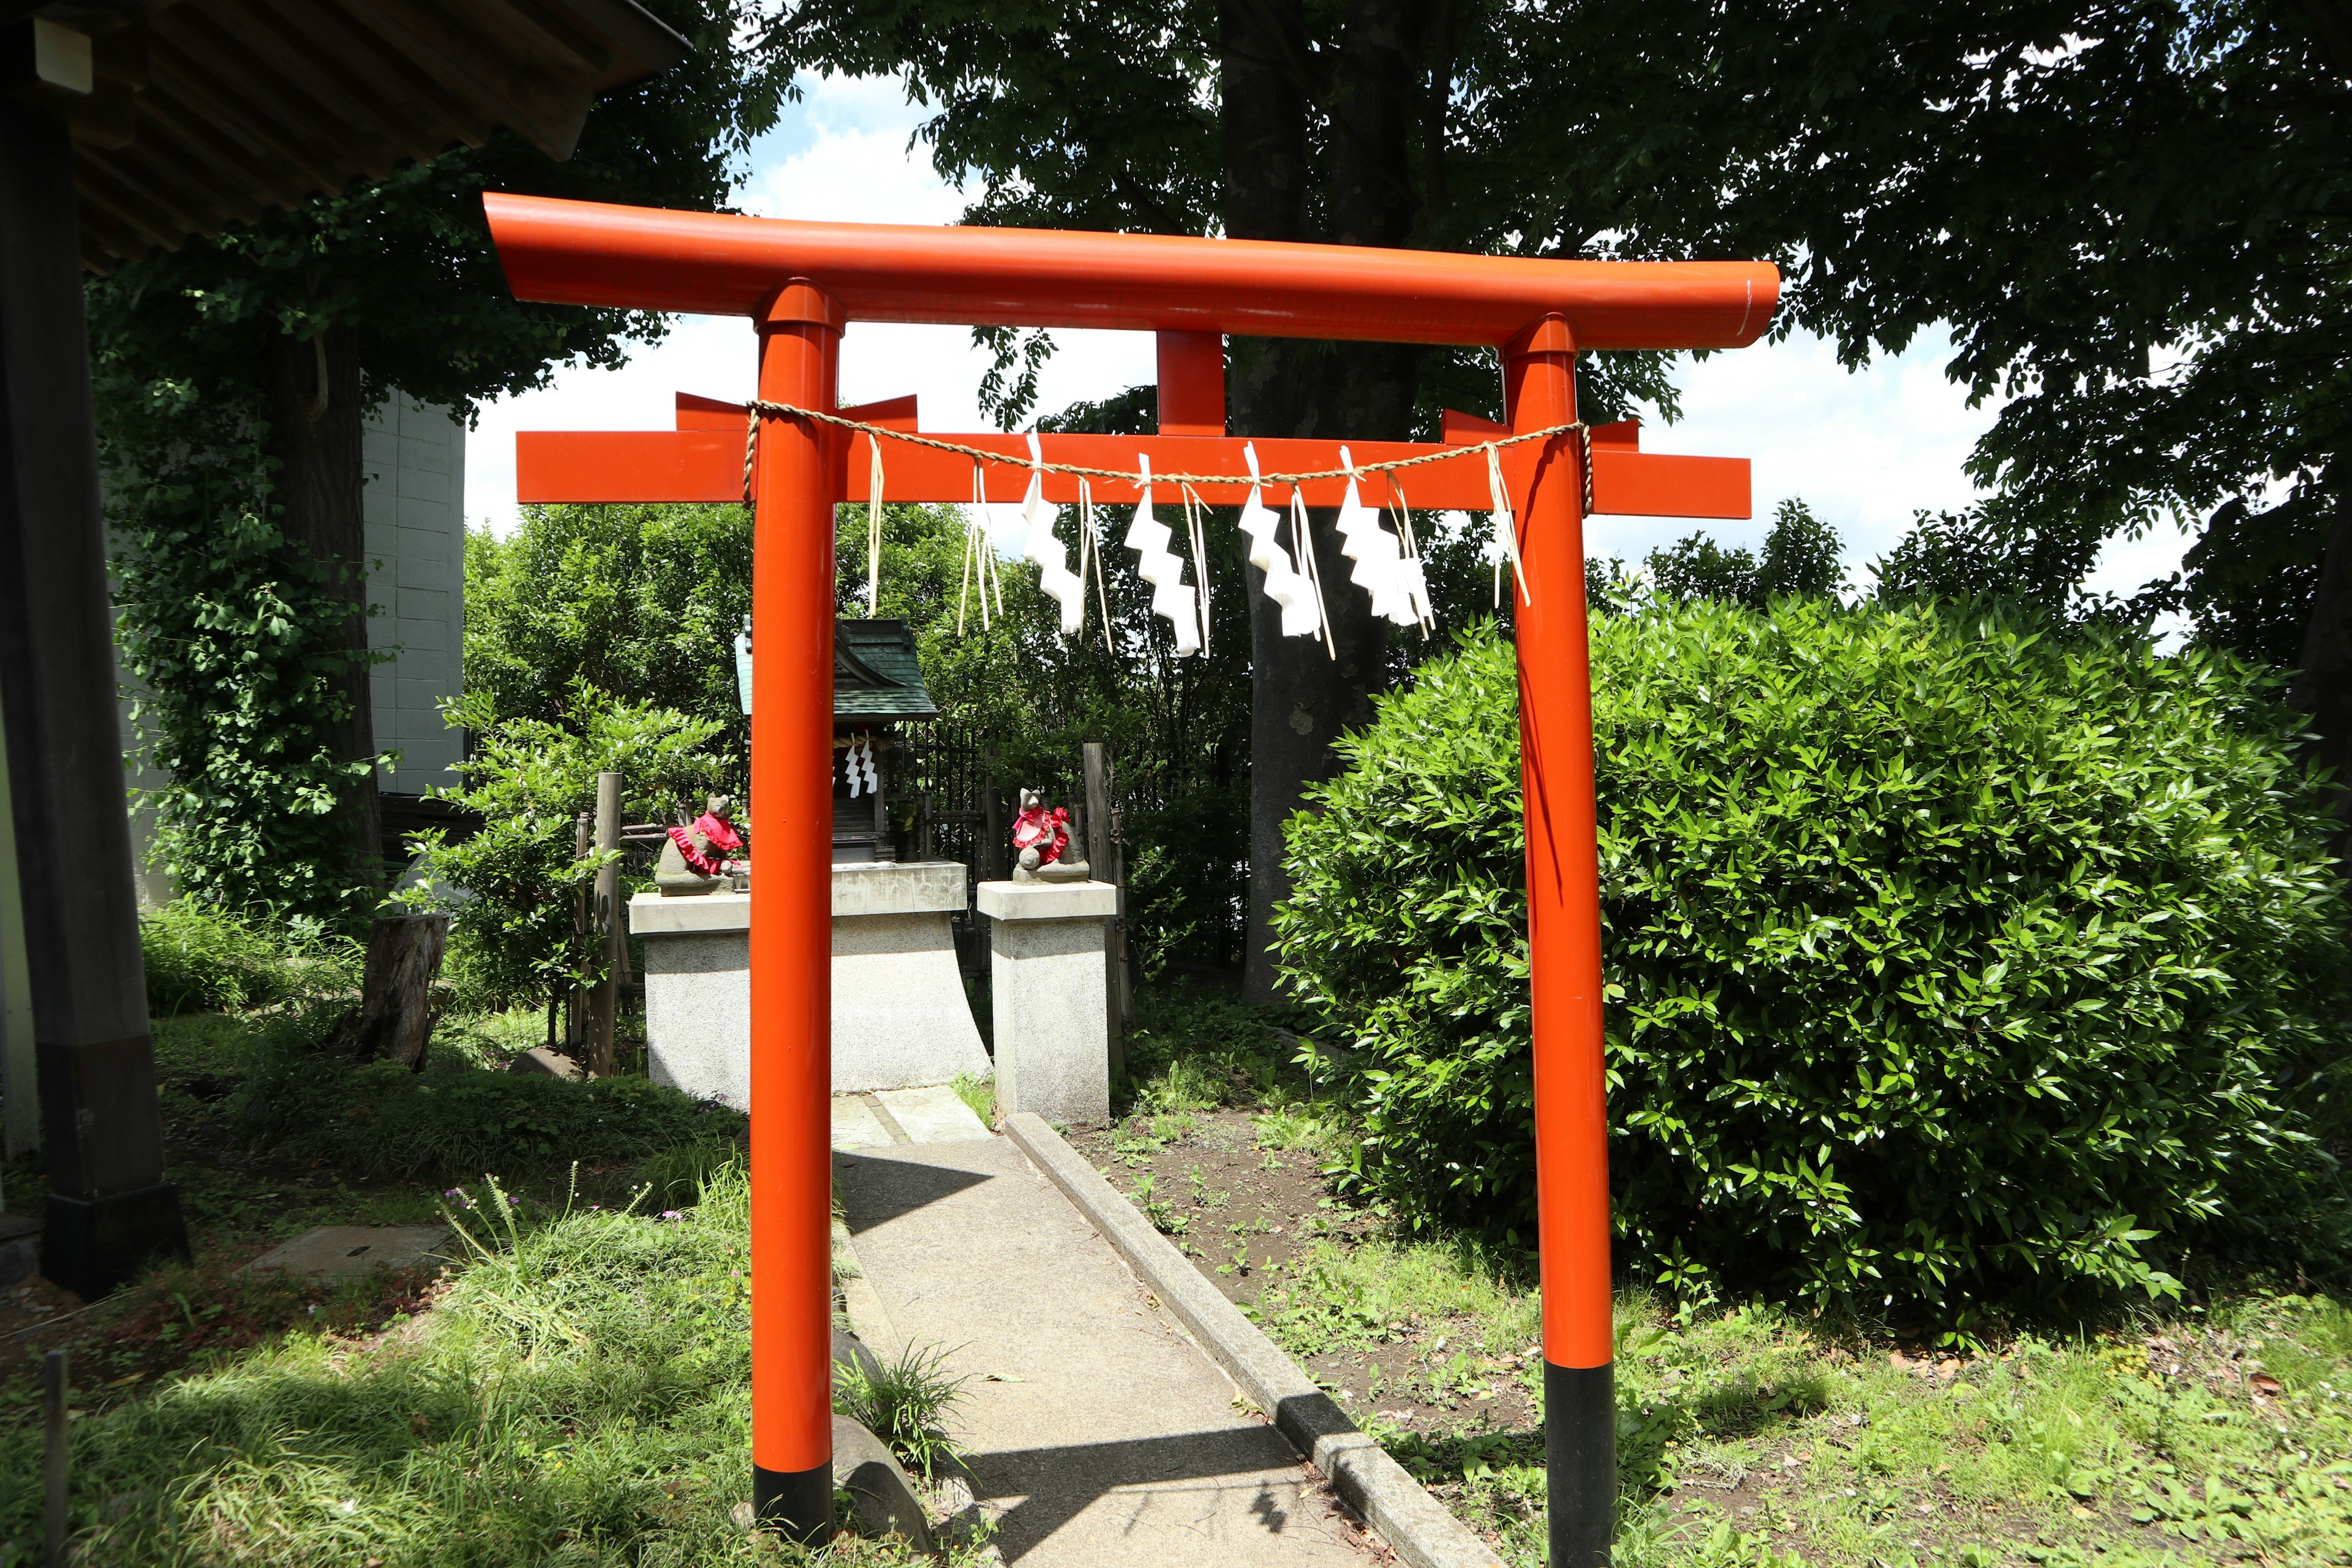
{"type": "Point", "coordinates": [1100, 1437]}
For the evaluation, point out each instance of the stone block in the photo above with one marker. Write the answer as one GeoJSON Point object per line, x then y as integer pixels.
{"type": "Point", "coordinates": [699, 1008]}
{"type": "Point", "coordinates": [347, 1251]}
{"type": "Point", "coordinates": [900, 1018]}
{"type": "Point", "coordinates": [934, 1115]}
{"type": "Point", "coordinates": [20, 1248]}
{"type": "Point", "coordinates": [1047, 981]}
{"type": "Point", "coordinates": [880, 1493]}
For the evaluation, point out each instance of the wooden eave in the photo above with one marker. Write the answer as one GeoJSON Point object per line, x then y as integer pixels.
{"type": "Point", "coordinates": [212, 112]}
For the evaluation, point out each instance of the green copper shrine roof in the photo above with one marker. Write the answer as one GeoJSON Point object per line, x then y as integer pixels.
{"type": "Point", "coordinates": [874, 674]}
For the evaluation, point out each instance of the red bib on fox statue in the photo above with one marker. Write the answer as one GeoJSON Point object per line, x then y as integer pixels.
{"type": "Point", "coordinates": [1046, 832]}
{"type": "Point", "coordinates": [1040, 835]}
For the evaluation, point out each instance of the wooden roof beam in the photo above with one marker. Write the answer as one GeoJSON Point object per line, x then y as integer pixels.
{"type": "Point", "coordinates": [248, 68]}
{"type": "Point", "coordinates": [530, 112]}
{"type": "Point", "coordinates": [179, 77]}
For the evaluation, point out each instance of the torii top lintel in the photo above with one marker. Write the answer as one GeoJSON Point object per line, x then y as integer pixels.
{"type": "Point", "coordinates": [589, 253]}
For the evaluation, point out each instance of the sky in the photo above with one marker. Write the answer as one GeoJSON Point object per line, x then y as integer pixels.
{"type": "Point", "coordinates": [1863, 449]}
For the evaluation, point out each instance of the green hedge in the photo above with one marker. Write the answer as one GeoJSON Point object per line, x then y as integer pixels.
{"type": "Point", "coordinates": [1948, 964]}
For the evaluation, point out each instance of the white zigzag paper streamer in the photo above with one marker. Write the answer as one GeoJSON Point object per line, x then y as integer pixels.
{"type": "Point", "coordinates": [1041, 545]}
{"type": "Point", "coordinates": [1156, 564]}
{"type": "Point", "coordinates": [1375, 551]}
{"type": "Point", "coordinates": [1301, 613]}
{"type": "Point", "coordinates": [857, 766]}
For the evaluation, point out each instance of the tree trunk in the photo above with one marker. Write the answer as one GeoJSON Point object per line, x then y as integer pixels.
{"type": "Point", "coordinates": [314, 421]}
{"type": "Point", "coordinates": [2323, 687]}
{"type": "Point", "coordinates": [396, 1015]}
{"type": "Point", "coordinates": [1300, 695]}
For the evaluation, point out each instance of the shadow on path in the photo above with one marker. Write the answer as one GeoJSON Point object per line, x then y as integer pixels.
{"type": "Point", "coordinates": [1056, 1485]}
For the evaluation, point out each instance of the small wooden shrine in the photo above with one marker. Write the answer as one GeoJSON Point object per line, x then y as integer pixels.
{"type": "Point", "coordinates": [877, 687]}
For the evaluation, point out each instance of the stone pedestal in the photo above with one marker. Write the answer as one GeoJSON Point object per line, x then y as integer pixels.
{"type": "Point", "coordinates": [1053, 1040]}
{"type": "Point", "coordinates": [899, 1017]}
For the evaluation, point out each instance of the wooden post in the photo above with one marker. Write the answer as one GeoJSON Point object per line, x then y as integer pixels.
{"type": "Point", "coordinates": [604, 1002]}
{"type": "Point", "coordinates": [575, 995]}
{"type": "Point", "coordinates": [993, 811]}
{"type": "Point", "coordinates": [54, 1440]}
{"type": "Point", "coordinates": [1098, 858]}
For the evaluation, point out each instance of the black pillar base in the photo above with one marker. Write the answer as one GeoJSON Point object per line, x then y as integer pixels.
{"type": "Point", "coordinates": [93, 1246]}
{"type": "Point", "coordinates": [798, 1503]}
{"type": "Point", "coordinates": [1581, 1463]}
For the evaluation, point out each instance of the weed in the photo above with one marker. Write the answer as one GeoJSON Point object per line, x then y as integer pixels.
{"type": "Point", "coordinates": [1294, 1127]}
{"type": "Point", "coordinates": [1157, 1209]}
{"type": "Point", "coordinates": [905, 1405]}
{"type": "Point", "coordinates": [979, 1093]}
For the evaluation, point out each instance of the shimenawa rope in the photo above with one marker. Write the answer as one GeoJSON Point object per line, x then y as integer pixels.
{"type": "Point", "coordinates": [759, 408]}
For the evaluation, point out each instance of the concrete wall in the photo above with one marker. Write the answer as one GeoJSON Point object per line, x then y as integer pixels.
{"type": "Point", "coordinates": [415, 515]}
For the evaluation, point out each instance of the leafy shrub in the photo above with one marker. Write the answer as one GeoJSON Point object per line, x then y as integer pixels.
{"type": "Point", "coordinates": [201, 959]}
{"type": "Point", "coordinates": [1947, 962]}
{"type": "Point", "coordinates": [509, 888]}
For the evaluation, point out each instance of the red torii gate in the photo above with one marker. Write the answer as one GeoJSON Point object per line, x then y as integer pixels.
{"type": "Point", "coordinates": [800, 283]}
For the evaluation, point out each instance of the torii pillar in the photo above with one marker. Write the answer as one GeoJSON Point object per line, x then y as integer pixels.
{"type": "Point", "coordinates": [800, 283]}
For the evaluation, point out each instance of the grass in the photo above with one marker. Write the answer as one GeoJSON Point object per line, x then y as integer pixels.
{"type": "Point", "coordinates": [1763, 1438]}
{"type": "Point", "coordinates": [906, 1403]}
{"type": "Point", "coordinates": [979, 1093]}
{"type": "Point", "coordinates": [1198, 1047]}
{"type": "Point", "coordinates": [199, 958]}
{"type": "Point", "coordinates": [262, 1078]}
{"type": "Point", "coordinates": [1379, 1290]}
{"type": "Point", "coordinates": [1756, 1436]}
{"type": "Point", "coordinates": [579, 1396]}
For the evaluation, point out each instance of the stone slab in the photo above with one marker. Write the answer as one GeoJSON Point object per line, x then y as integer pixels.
{"type": "Point", "coordinates": [1046, 901]}
{"type": "Point", "coordinates": [854, 1125]}
{"type": "Point", "coordinates": [650, 914]}
{"type": "Point", "coordinates": [867, 888]}
{"type": "Point", "coordinates": [936, 1115]}
{"type": "Point", "coordinates": [1120, 1444]}
{"type": "Point", "coordinates": [1052, 1017]}
{"type": "Point", "coordinates": [899, 888]}
{"type": "Point", "coordinates": [348, 1251]}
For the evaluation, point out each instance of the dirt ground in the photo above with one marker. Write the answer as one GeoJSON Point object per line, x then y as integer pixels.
{"type": "Point", "coordinates": [1252, 1218]}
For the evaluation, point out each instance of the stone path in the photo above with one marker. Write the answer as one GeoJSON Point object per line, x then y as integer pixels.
{"type": "Point", "coordinates": [1100, 1437]}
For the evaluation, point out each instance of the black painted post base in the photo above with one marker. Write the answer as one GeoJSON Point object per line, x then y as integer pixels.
{"type": "Point", "coordinates": [1581, 1463]}
{"type": "Point", "coordinates": [93, 1246]}
{"type": "Point", "coordinates": [797, 1504]}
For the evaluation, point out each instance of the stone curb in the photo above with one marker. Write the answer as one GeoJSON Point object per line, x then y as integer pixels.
{"type": "Point", "coordinates": [1413, 1523]}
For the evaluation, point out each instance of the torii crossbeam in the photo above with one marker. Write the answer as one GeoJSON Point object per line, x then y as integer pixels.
{"type": "Point", "coordinates": [800, 283]}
